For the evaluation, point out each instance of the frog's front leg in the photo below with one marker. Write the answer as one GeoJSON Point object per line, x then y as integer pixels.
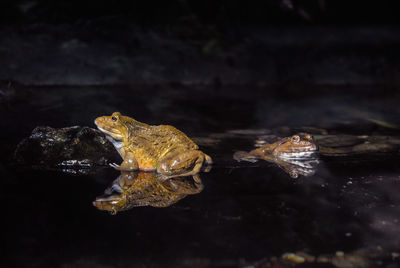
{"type": "Point", "coordinates": [244, 156]}
{"type": "Point", "coordinates": [129, 163]}
{"type": "Point", "coordinates": [182, 164]}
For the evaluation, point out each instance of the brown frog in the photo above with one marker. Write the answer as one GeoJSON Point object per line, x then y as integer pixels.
{"type": "Point", "coordinates": [135, 189]}
{"type": "Point", "coordinates": [295, 146]}
{"type": "Point", "coordinates": [162, 148]}
{"type": "Point", "coordinates": [293, 154]}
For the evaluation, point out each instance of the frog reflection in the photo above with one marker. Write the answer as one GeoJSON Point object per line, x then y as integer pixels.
{"type": "Point", "coordinates": [136, 189]}
{"type": "Point", "coordinates": [296, 167]}
{"type": "Point", "coordinates": [296, 155]}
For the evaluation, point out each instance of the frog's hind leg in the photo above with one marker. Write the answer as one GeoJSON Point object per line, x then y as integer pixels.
{"type": "Point", "coordinates": [207, 163]}
{"type": "Point", "coordinates": [208, 159]}
{"type": "Point", "coordinates": [129, 163]}
{"type": "Point", "coordinates": [183, 164]}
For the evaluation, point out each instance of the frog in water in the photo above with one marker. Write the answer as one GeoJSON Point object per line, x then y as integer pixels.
{"type": "Point", "coordinates": [295, 146]}
{"type": "Point", "coordinates": [162, 148]}
{"type": "Point", "coordinates": [293, 154]}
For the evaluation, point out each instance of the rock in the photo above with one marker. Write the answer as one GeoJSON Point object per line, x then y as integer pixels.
{"type": "Point", "coordinates": [293, 258]}
{"type": "Point", "coordinates": [66, 148]}
{"type": "Point", "coordinates": [342, 260]}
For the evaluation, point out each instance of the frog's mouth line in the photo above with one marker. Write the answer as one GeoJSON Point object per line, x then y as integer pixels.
{"type": "Point", "coordinates": [112, 134]}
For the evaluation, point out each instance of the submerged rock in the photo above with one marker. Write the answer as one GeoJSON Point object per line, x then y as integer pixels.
{"type": "Point", "coordinates": [68, 148]}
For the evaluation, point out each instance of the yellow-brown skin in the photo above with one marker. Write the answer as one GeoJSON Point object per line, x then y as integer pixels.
{"type": "Point", "coordinates": [295, 146]}
{"type": "Point", "coordinates": [162, 148]}
{"type": "Point", "coordinates": [291, 147]}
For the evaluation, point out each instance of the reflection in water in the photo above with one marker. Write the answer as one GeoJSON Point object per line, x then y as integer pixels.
{"type": "Point", "coordinates": [136, 189]}
{"type": "Point", "coordinates": [296, 167]}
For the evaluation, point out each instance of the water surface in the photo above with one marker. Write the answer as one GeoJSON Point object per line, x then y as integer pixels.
{"type": "Point", "coordinates": [246, 211]}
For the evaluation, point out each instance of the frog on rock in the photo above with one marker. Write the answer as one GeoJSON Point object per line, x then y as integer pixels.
{"type": "Point", "coordinates": [162, 148]}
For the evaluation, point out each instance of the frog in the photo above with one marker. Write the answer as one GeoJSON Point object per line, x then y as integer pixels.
{"type": "Point", "coordinates": [294, 147]}
{"type": "Point", "coordinates": [154, 148]}
{"type": "Point", "coordinates": [295, 155]}
{"type": "Point", "coordinates": [138, 188]}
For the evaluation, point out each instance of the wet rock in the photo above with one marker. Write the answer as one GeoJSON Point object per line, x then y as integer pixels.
{"type": "Point", "coordinates": [324, 259]}
{"type": "Point", "coordinates": [293, 258]}
{"type": "Point", "coordinates": [342, 260]}
{"type": "Point", "coordinates": [307, 257]}
{"type": "Point", "coordinates": [66, 148]}
{"type": "Point", "coordinates": [352, 144]}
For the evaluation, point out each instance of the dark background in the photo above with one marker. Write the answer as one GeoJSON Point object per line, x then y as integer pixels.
{"type": "Point", "coordinates": [220, 13]}
{"type": "Point", "coordinates": [199, 42]}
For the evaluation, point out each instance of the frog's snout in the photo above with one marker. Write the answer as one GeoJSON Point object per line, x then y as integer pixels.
{"type": "Point", "coordinates": [98, 121]}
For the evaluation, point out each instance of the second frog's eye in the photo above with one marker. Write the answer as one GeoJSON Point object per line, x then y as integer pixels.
{"type": "Point", "coordinates": [295, 138]}
{"type": "Point", "coordinates": [114, 118]}
{"type": "Point", "coordinates": [308, 137]}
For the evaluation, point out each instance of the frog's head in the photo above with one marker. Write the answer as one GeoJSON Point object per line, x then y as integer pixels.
{"type": "Point", "coordinates": [296, 146]}
{"type": "Point", "coordinates": [114, 126]}
{"type": "Point", "coordinates": [112, 203]}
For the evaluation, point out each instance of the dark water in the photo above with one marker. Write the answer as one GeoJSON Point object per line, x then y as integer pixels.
{"type": "Point", "coordinates": [246, 212]}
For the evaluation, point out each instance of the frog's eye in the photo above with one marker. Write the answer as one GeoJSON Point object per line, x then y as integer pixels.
{"type": "Point", "coordinates": [308, 137]}
{"type": "Point", "coordinates": [114, 118]}
{"type": "Point", "coordinates": [295, 138]}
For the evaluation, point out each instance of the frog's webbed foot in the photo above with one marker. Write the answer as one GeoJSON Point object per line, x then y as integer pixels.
{"type": "Point", "coordinates": [114, 165]}
{"type": "Point", "coordinates": [124, 167]}
{"type": "Point", "coordinates": [198, 182]}
{"type": "Point", "coordinates": [206, 168]}
{"type": "Point", "coordinates": [244, 156]}
{"type": "Point", "coordinates": [249, 159]}
{"type": "Point", "coordinates": [207, 163]}
{"type": "Point", "coordinates": [129, 163]}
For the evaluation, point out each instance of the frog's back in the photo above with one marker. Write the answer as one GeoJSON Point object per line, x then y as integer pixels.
{"type": "Point", "coordinates": [173, 137]}
{"type": "Point", "coordinates": [150, 143]}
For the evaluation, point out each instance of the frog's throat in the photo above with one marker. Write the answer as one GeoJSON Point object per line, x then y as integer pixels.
{"type": "Point", "coordinates": [300, 154]}
{"type": "Point", "coordinates": [117, 144]}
